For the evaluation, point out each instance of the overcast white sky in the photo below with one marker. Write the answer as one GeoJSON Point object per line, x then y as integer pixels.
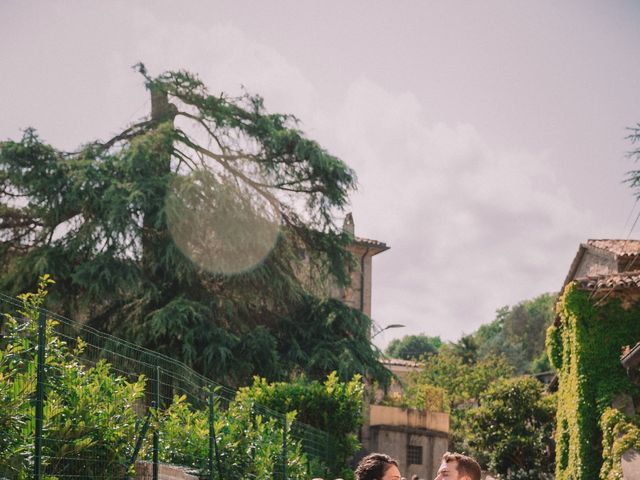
{"type": "Point", "coordinates": [488, 137]}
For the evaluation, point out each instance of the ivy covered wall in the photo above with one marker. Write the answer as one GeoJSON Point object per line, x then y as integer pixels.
{"type": "Point", "coordinates": [620, 433]}
{"type": "Point", "coordinates": [585, 347]}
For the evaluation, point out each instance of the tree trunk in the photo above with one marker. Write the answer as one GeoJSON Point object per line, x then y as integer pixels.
{"type": "Point", "coordinates": [155, 235]}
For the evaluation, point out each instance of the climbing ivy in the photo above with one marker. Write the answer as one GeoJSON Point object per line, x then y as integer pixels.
{"type": "Point", "coordinates": [619, 434]}
{"type": "Point", "coordinates": [554, 345]}
{"type": "Point", "coordinates": [591, 336]}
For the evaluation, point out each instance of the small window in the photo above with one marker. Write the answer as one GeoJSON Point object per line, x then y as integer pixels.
{"type": "Point", "coordinates": [414, 454]}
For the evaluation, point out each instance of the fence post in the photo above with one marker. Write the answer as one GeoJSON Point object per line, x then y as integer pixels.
{"type": "Point", "coordinates": [42, 341]}
{"type": "Point", "coordinates": [326, 456]}
{"type": "Point", "coordinates": [252, 414]}
{"type": "Point", "coordinates": [143, 432]}
{"type": "Point", "coordinates": [284, 448]}
{"type": "Point", "coordinates": [213, 448]}
{"type": "Point", "coordinates": [156, 433]}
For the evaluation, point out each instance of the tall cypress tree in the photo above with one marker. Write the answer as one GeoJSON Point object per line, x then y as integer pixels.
{"type": "Point", "coordinates": [204, 231]}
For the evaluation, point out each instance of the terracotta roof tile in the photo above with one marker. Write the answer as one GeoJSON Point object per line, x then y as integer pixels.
{"type": "Point", "coordinates": [372, 243]}
{"type": "Point", "coordinates": [619, 248]}
{"type": "Point", "coordinates": [617, 281]}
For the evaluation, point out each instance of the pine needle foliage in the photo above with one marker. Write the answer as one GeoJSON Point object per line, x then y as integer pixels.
{"type": "Point", "coordinates": [97, 220]}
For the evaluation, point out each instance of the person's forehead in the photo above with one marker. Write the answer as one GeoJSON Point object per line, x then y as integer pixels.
{"type": "Point", "coordinates": [447, 466]}
{"type": "Point", "coordinates": [393, 472]}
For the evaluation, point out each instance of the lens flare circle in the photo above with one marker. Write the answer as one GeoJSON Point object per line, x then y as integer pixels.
{"type": "Point", "coordinates": [218, 225]}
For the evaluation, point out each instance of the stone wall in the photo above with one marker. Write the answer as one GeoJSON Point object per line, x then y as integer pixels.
{"type": "Point", "coordinates": [144, 471]}
{"type": "Point", "coordinates": [358, 294]}
{"type": "Point", "coordinates": [631, 465]}
{"type": "Point", "coordinates": [596, 263]}
{"type": "Point", "coordinates": [396, 442]}
{"type": "Point", "coordinates": [409, 417]}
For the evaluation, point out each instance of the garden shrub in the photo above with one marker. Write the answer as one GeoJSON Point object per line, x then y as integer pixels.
{"type": "Point", "coordinates": [512, 429]}
{"type": "Point", "coordinates": [92, 420]}
{"type": "Point", "coordinates": [89, 414]}
{"type": "Point", "coordinates": [425, 397]}
{"type": "Point", "coordinates": [333, 406]}
{"type": "Point", "coordinates": [249, 444]}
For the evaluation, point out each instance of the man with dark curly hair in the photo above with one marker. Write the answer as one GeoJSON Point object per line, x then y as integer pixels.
{"type": "Point", "coordinates": [377, 466]}
{"type": "Point", "coordinates": [456, 466]}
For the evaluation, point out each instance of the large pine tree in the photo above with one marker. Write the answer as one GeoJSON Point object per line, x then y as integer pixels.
{"type": "Point", "coordinates": [204, 232]}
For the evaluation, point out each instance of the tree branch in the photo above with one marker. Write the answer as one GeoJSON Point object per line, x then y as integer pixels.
{"type": "Point", "coordinates": [127, 134]}
{"type": "Point", "coordinates": [221, 159]}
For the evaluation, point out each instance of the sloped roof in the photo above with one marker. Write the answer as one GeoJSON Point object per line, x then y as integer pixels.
{"type": "Point", "coordinates": [626, 256]}
{"type": "Point", "coordinates": [373, 246]}
{"type": "Point", "coordinates": [620, 248]}
{"type": "Point", "coordinates": [616, 281]}
{"type": "Point", "coordinates": [381, 246]}
{"type": "Point", "coordinates": [624, 252]}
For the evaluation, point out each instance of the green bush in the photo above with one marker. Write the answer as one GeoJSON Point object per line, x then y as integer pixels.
{"type": "Point", "coordinates": [17, 387]}
{"type": "Point", "coordinates": [89, 414]}
{"type": "Point", "coordinates": [91, 422]}
{"type": "Point", "coordinates": [249, 444]}
{"type": "Point", "coordinates": [512, 428]}
{"type": "Point", "coordinates": [332, 406]}
{"type": "Point", "coordinates": [184, 434]}
{"type": "Point", "coordinates": [420, 396]}
{"type": "Point", "coordinates": [462, 383]}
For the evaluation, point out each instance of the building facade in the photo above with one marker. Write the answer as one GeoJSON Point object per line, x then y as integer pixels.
{"type": "Point", "coordinates": [417, 439]}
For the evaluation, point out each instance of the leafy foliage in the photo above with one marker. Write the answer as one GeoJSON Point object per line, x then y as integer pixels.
{"type": "Point", "coordinates": [249, 445]}
{"type": "Point", "coordinates": [466, 349]}
{"type": "Point", "coordinates": [512, 429]}
{"type": "Point", "coordinates": [332, 406]}
{"type": "Point", "coordinates": [462, 383]}
{"type": "Point", "coordinates": [17, 386]}
{"type": "Point", "coordinates": [554, 346]}
{"type": "Point", "coordinates": [413, 346]}
{"type": "Point", "coordinates": [446, 377]}
{"type": "Point", "coordinates": [421, 397]}
{"type": "Point", "coordinates": [518, 333]}
{"type": "Point", "coordinates": [590, 374]}
{"type": "Point", "coordinates": [89, 412]}
{"type": "Point", "coordinates": [100, 221]}
{"type": "Point", "coordinates": [454, 378]}
{"type": "Point", "coordinates": [91, 416]}
{"type": "Point", "coordinates": [325, 335]}
{"type": "Point", "coordinates": [619, 434]}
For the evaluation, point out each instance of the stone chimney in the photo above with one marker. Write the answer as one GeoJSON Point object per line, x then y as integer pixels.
{"type": "Point", "coordinates": [347, 225]}
{"type": "Point", "coordinates": [161, 109]}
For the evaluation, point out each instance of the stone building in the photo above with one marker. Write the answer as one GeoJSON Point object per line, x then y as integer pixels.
{"type": "Point", "coordinates": [417, 439]}
{"type": "Point", "coordinates": [358, 294]}
{"type": "Point", "coordinates": [601, 258]}
{"type": "Point", "coordinates": [598, 319]}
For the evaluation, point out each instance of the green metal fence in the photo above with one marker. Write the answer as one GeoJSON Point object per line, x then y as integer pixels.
{"type": "Point", "coordinates": [79, 403]}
